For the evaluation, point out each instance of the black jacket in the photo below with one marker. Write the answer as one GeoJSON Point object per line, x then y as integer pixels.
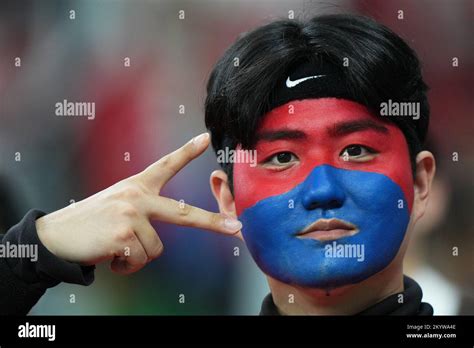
{"type": "Point", "coordinates": [23, 281]}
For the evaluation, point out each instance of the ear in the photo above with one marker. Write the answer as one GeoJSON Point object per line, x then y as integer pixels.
{"type": "Point", "coordinates": [221, 191]}
{"type": "Point", "coordinates": [425, 171]}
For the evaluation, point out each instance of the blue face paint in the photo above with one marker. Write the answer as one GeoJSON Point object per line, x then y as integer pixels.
{"type": "Point", "coordinates": [371, 201]}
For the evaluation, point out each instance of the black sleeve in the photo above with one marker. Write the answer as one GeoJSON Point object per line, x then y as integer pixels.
{"type": "Point", "coordinates": [23, 280]}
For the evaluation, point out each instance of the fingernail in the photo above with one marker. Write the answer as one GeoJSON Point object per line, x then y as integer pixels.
{"type": "Point", "coordinates": [232, 225]}
{"type": "Point", "coordinates": [200, 139]}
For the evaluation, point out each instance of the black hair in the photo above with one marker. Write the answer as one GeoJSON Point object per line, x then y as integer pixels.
{"type": "Point", "coordinates": [381, 67]}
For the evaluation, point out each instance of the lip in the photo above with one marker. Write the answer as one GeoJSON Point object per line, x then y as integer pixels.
{"type": "Point", "coordinates": [327, 230]}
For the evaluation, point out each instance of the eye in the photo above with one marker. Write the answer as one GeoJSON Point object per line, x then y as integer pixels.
{"type": "Point", "coordinates": [281, 159]}
{"type": "Point", "coordinates": [357, 153]}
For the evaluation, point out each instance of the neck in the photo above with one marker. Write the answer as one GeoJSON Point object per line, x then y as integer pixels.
{"type": "Point", "coordinates": [346, 300]}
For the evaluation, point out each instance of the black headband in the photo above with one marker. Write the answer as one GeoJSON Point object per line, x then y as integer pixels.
{"type": "Point", "coordinates": [310, 80]}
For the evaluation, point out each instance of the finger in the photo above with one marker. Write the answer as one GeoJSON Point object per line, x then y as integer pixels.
{"type": "Point", "coordinates": [130, 257]}
{"type": "Point", "coordinates": [149, 239]}
{"type": "Point", "coordinates": [179, 213]}
{"type": "Point", "coordinates": [160, 172]}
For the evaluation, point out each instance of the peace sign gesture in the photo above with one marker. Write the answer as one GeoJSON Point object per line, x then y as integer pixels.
{"type": "Point", "coordinates": [114, 224]}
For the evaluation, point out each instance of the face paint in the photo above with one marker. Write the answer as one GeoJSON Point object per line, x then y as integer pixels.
{"type": "Point", "coordinates": [360, 200]}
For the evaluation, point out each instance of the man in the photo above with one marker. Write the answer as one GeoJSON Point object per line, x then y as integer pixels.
{"type": "Point", "coordinates": [328, 209]}
{"type": "Point", "coordinates": [330, 170]}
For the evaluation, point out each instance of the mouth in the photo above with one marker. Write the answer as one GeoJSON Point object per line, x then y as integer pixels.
{"type": "Point", "coordinates": [327, 230]}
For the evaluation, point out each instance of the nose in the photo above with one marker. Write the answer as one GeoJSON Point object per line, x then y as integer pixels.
{"type": "Point", "coordinates": [322, 189]}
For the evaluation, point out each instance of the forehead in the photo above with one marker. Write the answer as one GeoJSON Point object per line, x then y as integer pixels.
{"type": "Point", "coordinates": [316, 115]}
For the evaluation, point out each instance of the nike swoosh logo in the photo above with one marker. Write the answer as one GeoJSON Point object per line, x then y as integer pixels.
{"type": "Point", "coordinates": [291, 84]}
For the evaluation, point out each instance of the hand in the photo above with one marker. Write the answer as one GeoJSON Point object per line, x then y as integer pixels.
{"type": "Point", "coordinates": [114, 224]}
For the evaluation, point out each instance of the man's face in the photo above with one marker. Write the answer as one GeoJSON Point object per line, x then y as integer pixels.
{"type": "Point", "coordinates": [329, 201]}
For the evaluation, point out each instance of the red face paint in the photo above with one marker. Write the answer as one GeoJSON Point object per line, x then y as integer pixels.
{"type": "Point", "coordinates": [329, 125]}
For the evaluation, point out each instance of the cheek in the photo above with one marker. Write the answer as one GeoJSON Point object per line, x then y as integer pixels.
{"type": "Point", "coordinates": [404, 179]}
{"type": "Point", "coordinates": [245, 185]}
{"type": "Point", "coordinates": [372, 197]}
{"type": "Point", "coordinates": [253, 184]}
{"type": "Point", "coordinates": [396, 165]}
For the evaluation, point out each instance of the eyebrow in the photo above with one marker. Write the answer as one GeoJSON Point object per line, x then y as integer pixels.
{"type": "Point", "coordinates": [281, 134]}
{"type": "Point", "coordinates": [345, 128]}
